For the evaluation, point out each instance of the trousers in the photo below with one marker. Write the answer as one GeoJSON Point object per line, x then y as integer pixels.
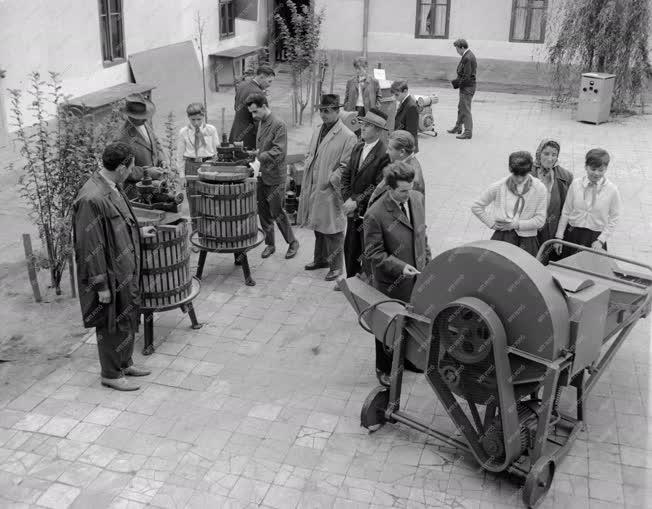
{"type": "Point", "coordinates": [464, 117]}
{"type": "Point", "coordinates": [328, 248]}
{"type": "Point", "coordinates": [270, 211]}
{"type": "Point", "coordinates": [115, 351]}
{"type": "Point", "coordinates": [353, 246]}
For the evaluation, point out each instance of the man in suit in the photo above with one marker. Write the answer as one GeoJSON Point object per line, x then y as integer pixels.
{"type": "Point", "coordinates": [407, 113]}
{"type": "Point", "coordinates": [465, 82]}
{"type": "Point", "coordinates": [137, 132]}
{"type": "Point", "coordinates": [320, 204]}
{"type": "Point", "coordinates": [244, 127]}
{"type": "Point", "coordinates": [107, 252]}
{"type": "Point", "coordinates": [362, 91]}
{"type": "Point", "coordinates": [359, 179]}
{"type": "Point", "coordinates": [271, 150]}
{"type": "Point", "coordinates": [396, 245]}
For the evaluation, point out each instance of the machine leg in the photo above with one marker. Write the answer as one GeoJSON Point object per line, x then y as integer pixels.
{"type": "Point", "coordinates": [396, 378]}
{"type": "Point", "coordinates": [246, 270]}
{"type": "Point", "coordinates": [148, 347]}
{"type": "Point", "coordinates": [200, 264]}
{"type": "Point", "coordinates": [579, 385]}
{"type": "Point", "coordinates": [193, 317]}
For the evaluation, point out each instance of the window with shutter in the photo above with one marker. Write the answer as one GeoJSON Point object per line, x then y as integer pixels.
{"type": "Point", "coordinates": [528, 21]}
{"type": "Point", "coordinates": [432, 19]}
{"type": "Point", "coordinates": [112, 31]}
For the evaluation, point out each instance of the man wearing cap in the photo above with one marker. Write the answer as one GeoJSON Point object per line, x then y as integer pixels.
{"type": "Point", "coordinates": [321, 204]}
{"type": "Point", "coordinates": [465, 82]}
{"type": "Point", "coordinates": [138, 133]}
{"type": "Point", "coordinates": [359, 179]}
{"type": "Point", "coordinates": [244, 126]}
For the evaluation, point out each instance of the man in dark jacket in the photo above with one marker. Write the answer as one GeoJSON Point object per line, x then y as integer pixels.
{"type": "Point", "coordinates": [362, 91]}
{"type": "Point", "coordinates": [244, 127]}
{"type": "Point", "coordinates": [359, 179]}
{"type": "Point", "coordinates": [271, 149]}
{"type": "Point", "coordinates": [396, 245]}
{"type": "Point", "coordinates": [407, 113]}
{"type": "Point", "coordinates": [138, 133]}
{"type": "Point", "coordinates": [465, 82]}
{"type": "Point", "coordinates": [107, 252]}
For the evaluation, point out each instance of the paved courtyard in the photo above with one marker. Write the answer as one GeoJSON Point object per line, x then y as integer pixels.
{"type": "Point", "coordinates": [260, 408]}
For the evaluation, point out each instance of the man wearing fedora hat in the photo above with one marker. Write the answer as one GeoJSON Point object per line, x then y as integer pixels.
{"type": "Point", "coordinates": [321, 206]}
{"type": "Point", "coordinates": [138, 133]}
{"type": "Point", "coordinates": [359, 179]}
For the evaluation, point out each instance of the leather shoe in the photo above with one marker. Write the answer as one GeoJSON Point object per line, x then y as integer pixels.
{"type": "Point", "coordinates": [455, 130]}
{"type": "Point", "coordinates": [333, 274]}
{"type": "Point", "coordinates": [383, 378]}
{"type": "Point", "coordinates": [134, 371]}
{"type": "Point", "coordinates": [292, 250]}
{"type": "Point", "coordinates": [268, 251]}
{"type": "Point", "coordinates": [120, 384]}
{"type": "Point", "coordinates": [464, 136]}
{"type": "Point", "coordinates": [316, 265]}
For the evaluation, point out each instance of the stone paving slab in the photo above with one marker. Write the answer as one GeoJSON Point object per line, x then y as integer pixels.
{"type": "Point", "coordinates": [260, 407]}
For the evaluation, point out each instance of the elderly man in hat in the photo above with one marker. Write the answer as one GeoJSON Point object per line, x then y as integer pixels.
{"type": "Point", "coordinates": [138, 133]}
{"type": "Point", "coordinates": [359, 179]}
{"type": "Point", "coordinates": [107, 241]}
{"type": "Point", "coordinates": [321, 206]}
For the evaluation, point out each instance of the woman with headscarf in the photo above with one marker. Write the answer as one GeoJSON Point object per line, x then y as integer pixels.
{"type": "Point", "coordinates": [557, 181]}
{"type": "Point", "coordinates": [518, 205]}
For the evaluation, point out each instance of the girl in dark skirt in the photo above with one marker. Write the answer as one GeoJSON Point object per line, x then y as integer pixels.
{"type": "Point", "coordinates": [592, 207]}
{"type": "Point", "coordinates": [518, 205]}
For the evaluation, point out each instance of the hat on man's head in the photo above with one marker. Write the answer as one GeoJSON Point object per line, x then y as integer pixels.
{"type": "Point", "coordinates": [376, 118]}
{"type": "Point", "coordinates": [330, 101]}
{"type": "Point", "coordinates": [136, 106]}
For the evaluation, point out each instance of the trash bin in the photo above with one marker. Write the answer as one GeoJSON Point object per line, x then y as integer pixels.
{"type": "Point", "coordinates": [596, 91]}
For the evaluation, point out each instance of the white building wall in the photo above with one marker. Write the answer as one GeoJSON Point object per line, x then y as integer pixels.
{"type": "Point", "coordinates": [64, 36]}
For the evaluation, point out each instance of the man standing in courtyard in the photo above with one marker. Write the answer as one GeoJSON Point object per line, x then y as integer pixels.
{"type": "Point", "coordinates": [271, 150]}
{"type": "Point", "coordinates": [107, 252]}
{"type": "Point", "coordinates": [465, 82]}
{"type": "Point", "coordinates": [244, 126]}
{"type": "Point", "coordinates": [321, 207]}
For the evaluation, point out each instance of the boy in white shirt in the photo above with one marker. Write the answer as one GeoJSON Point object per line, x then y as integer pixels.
{"type": "Point", "coordinates": [197, 143]}
{"type": "Point", "coordinates": [592, 207]}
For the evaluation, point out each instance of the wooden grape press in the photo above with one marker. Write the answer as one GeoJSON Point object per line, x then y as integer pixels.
{"type": "Point", "coordinates": [224, 209]}
{"type": "Point", "coordinates": [166, 280]}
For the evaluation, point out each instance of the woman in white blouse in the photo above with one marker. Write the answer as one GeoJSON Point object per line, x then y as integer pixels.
{"type": "Point", "coordinates": [592, 207]}
{"type": "Point", "coordinates": [518, 205]}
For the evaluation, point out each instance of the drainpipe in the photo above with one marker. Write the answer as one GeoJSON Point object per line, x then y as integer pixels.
{"type": "Point", "coordinates": [365, 27]}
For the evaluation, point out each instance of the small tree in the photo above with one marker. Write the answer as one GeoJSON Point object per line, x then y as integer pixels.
{"type": "Point", "coordinates": [200, 26]}
{"type": "Point", "coordinates": [301, 42]}
{"type": "Point", "coordinates": [170, 147]}
{"type": "Point", "coordinates": [57, 158]}
{"type": "Point", "coordinates": [603, 36]}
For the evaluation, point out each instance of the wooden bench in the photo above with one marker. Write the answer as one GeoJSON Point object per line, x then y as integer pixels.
{"type": "Point", "coordinates": [100, 102]}
{"type": "Point", "coordinates": [236, 59]}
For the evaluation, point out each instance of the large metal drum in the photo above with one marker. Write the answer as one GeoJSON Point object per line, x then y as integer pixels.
{"type": "Point", "coordinates": [166, 265]}
{"type": "Point", "coordinates": [226, 210]}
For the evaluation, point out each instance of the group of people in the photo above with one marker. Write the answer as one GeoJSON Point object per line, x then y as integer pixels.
{"type": "Point", "coordinates": [363, 197]}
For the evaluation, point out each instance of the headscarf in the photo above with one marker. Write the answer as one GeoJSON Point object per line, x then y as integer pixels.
{"type": "Point", "coordinates": [538, 170]}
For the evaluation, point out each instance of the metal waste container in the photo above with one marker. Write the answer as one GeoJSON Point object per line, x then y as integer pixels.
{"type": "Point", "coordinates": [596, 91]}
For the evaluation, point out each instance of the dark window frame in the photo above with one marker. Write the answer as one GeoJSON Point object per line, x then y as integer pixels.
{"type": "Point", "coordinates": [110, 59]}
{"type": "Point", "coordinates": [226, 7]}
{"type": "Point", "coordinates": [528, 23]}
{"type": "Point", "coordinates": [417, 35]}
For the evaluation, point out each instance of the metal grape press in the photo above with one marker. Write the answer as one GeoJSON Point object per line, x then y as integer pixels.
{"type": "Point", "coordinates": [499, 336]}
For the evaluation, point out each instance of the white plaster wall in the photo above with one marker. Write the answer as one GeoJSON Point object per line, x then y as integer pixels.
{"type": "Point", "coordinates": [64, 36]}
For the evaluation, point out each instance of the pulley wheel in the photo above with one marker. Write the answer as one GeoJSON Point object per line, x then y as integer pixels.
{"type": "Point", "coordinates": [372, 415]}
{"type": "Point", "coordinates": [466, 336]}
{"type": "Point", "coordinates": [538, 481]}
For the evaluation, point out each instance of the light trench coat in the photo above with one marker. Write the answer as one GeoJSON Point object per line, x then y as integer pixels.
{"type": "Point", "coordinates": [320, 205]}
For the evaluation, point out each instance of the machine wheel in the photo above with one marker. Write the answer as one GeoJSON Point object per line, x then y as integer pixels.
{"type": "Point", "coordinates": [372, 415]}
{"type": "Point", "coordinates": [538, 481]}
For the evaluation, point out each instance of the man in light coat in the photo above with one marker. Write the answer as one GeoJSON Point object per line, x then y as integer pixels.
{"type": "Point", "coordinates": [321, 204]}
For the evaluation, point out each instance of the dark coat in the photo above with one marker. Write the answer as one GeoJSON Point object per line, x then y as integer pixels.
{"type": "Point", "coordinates": [107, 252]}
{"type": "Point", "coordinates": [391, 243]}
{"type": "Point", "coordinates": [244, 126]}
{"type": "Point", "coordinates": [147, 154]}
{"type": "Point", "coordinates": [272, 145]}
{"type": "Point", "coordinates": [360, 180]}
{"type": "Point", "coordinates": [407, 119]}
{"type": "Point", "coordinates": [370, 94]}
{"type": "Point", "coordinates": [466, 70]}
